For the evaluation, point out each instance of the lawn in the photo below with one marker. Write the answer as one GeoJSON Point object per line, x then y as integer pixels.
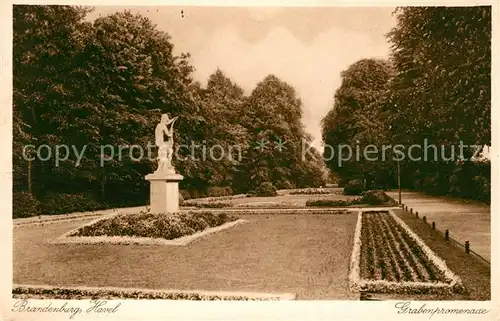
{"type": "Point", "coordinates": [303, 254]}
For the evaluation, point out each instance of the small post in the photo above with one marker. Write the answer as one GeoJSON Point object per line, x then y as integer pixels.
{"type": "Point", "coordinates": [447, 235]}
{"type": "Point", "coordinates": [416, 214]}
{"type": "Point", "coordinates": [433, 225]}
{"type": "Point", "coordinates": [425, 219]}
{"type": "Point", "coordinates": [411, 210]}
{"type": "Point", "coordinates": [467, 247]}
{"type": "Point", "coordinates": [406, 208]}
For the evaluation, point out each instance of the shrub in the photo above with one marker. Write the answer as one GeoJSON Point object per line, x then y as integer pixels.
{"type": "Point", "coordinates": [482, 188]}
{"type": "Point", "coordinates": [375, 197]}
{"type": "Point", "coordinates": [216, 191]}
{"type": "Point", "coordinates": [24, 204]}
{"type": "Point", "coordinates": [185, 194]}
{"type": "Point", "coordinates": [285, 184]}
{"type": "Point", "coordinates": [196, 193]}
{"type": "Point", "coordinates": [67, 203]}
{"type": "Point", "coordinates": [266, 189]}
{"type": "Point", "coordinates": [354, 187]}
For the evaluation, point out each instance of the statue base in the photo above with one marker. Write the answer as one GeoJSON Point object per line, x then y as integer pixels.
{"type": "Point", "coordinates": [164, 191]}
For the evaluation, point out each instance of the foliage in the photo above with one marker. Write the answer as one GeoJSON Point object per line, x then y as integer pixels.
{"type": "Point", "coordinates": [436, 90]}
{"type": "Point", "coordinates": [272, 116]}
{"type": "Point", "coordinates": [216, 191]}
{"type": "Point", "coordinates": [442, 91]}
{"type": "Point", "coordinates": [118, 75]}
{"type": "Point", "coordinates": [354, 187]}
{"type": "Point", "coordinates": [152, 225]}
{"type": "Point", "coordinates": [184, 194]}
{"type": "Point", "coordinates": [265, 189]}
{"type": "Point", "coordinates": [375, 198]}
{"type": "Point", "coordinates": [61, 203]}
{"type": "Point", "coordinates": [356, 120]}
{"type": "Point", "coordinates": [24, 205]}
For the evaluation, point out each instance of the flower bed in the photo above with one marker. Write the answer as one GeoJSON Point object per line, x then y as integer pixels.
{"type": "Point", "coordinates": [287, 211]}
{"type": "Point", "coordinates": [312, 191]}
{"type": "Point", "coordinates": [153, 225]}
{"type": "Point", "coordinates": [207, 204]}
{"type": "Point", "coordinates": [65, 293]}
{"type": "Point", "coordinates": [333, 203]}
{"type": "Point", "coordinates": [389, 258]}
{"type": "Point", "coordinates": [269, 205]}
{"type": "Point", "coordinates": [219, 198]}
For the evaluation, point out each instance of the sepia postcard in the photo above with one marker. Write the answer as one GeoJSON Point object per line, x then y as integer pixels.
{"type": "Point", "coordinates": [283, 160]}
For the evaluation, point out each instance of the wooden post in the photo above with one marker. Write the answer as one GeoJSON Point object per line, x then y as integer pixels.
{"type": "Point", "coordinates": [433, 225]}
{"type": "Point", "coordinates": [467, 247]}
{"type": "Point", "coordinates": [447, 235]}
{"type": "Point", "coordinates": [411, 210]}
{"type": "Point", "coordinates": [416, 214]}
{"type": "Point", "coordinates": [425, 218]}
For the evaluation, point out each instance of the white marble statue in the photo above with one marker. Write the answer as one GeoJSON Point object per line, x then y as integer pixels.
{"type": "Point", "coordinates": [165, 147]}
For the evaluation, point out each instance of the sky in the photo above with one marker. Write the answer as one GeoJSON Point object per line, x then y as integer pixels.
{"type": "Point", "coordinates": [305, 47]}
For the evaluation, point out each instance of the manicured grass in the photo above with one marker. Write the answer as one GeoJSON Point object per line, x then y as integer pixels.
{"type": "Point", "coordinates": [303, 254]}
{"type": "Point", "coordinates": [475, 275]}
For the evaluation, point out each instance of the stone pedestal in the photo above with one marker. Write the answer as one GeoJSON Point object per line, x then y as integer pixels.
{"type": "Point", "coordinates": [164, 192]}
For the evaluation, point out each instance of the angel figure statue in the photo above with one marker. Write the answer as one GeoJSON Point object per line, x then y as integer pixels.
{"type": "Point", "coordinates": [165, 147]}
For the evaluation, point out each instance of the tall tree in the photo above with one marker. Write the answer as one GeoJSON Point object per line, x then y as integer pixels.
{"type": "Point", "coordinates": [356, 120]}
{"type": "Point", "coordinates": [442, 89]}
{"type": "Point", "coordinates": [272, 115]}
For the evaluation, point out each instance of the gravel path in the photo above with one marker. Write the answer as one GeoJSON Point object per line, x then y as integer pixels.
{"type": "Point", "coordinates": [466, 220]}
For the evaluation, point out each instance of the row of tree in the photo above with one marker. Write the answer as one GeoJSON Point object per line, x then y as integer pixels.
{"type": "Point", "coordinates": [107, 82]}
{"type": "Point", "coordinates": [435, 89]}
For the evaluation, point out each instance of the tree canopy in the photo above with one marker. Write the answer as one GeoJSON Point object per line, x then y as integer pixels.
{"type": "Point", "coordinates": [434, 89]}
{"type": "Point", "coordinates": [106, 82]}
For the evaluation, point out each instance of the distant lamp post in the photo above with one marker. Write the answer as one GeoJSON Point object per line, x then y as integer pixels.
{"type": "Point", "coordinates": [399, 183]}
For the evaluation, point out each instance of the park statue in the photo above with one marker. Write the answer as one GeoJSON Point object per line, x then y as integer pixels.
{"type": "Point", "coordinates": [165, 128]}
{"type": "Point", "coordinates": [164, 182]}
